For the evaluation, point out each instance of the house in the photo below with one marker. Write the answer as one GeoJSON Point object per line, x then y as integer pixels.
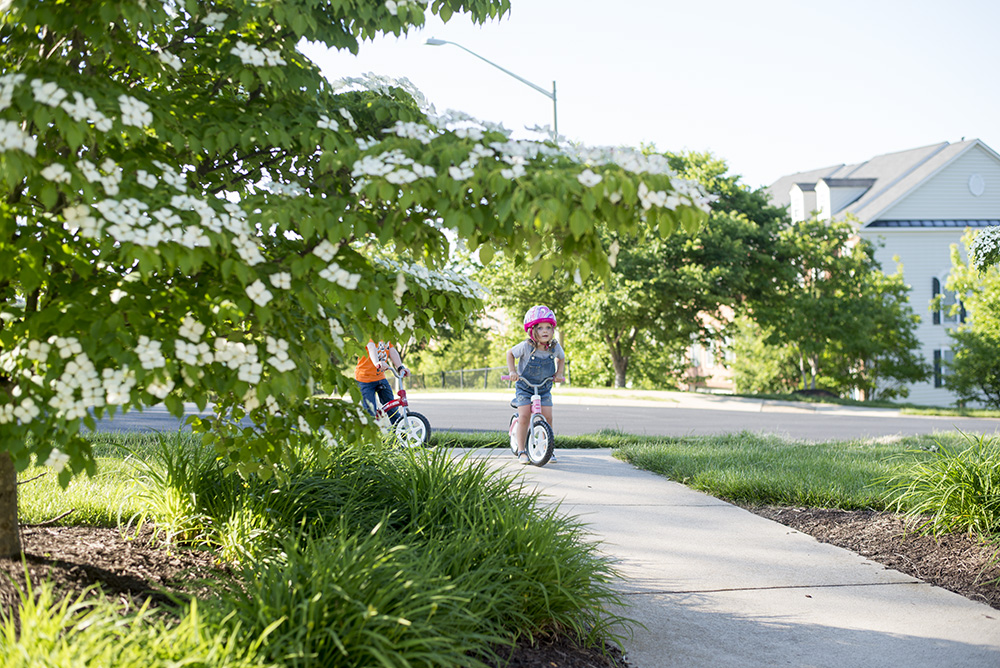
{"type": "Point", "coordinates": [913, 205]}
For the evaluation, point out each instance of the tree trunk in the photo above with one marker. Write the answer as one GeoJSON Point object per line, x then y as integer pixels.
{"type": "Point", "coordinates": [620, 364]}
{"type": "Point", "coordinates": [10, 537]}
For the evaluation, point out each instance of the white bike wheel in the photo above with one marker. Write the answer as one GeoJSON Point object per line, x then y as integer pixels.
{"type": "Point", "coordinates": [413, 431]}
{"type": "Point", "coordinates": [541, 442]}
{"type": "Point", "coordinates": [515, 447]}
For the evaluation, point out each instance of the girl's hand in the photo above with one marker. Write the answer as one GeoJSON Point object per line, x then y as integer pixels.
{"type": "Point", "coordinates": [559, 379]}
{"type": "Point", "coordinates": [514, 376]}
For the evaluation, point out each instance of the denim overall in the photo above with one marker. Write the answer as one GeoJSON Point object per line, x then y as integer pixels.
{"type": "Point", "coordinates": [537, 370]}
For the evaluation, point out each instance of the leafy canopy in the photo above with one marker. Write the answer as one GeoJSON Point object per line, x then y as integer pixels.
{"type": "Point", "coordinates": [190, 214]}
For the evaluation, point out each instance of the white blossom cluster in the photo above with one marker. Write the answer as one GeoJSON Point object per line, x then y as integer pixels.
{"type": "Point", "coordinates": [134, 112]}
{"type": "Point", "coordinates": [57, 460]}
{"type": "Point", "coordinates": [170, 60]}
{"type": "Point", "coordinates": [240, 357]}
{"type": "Point", "coordinates": [327, 123]}
{"type": "Point", "coordinates": [214, 20]}
{"type": "Point", "coordinates": [411, 130]}
{"type": "Point", "coordinates": [13, 138]}
{"type": "Point", "coordinates": [258, 293]}
{"type": "Point", "coordinates": [109, 175]}
{"type": "Point", "coordinates": [336, 332]}
{"type": "Point", "coordinates": [446, 280]}
{"type": "Point", "coordinates": [588, 178]}
{"type": "Point", "coordinates": [384, 85]}
{"type": "Point", "coordinates": [279, 359]}
{"type": "Point", "coordinates": [394, 5]}
{"type": "Point", "coordinates": [254, 56]}
{"type": "Point", "coordinates": [290, 189]}
{"type": "Point", "coordinates": [334, 273]}
{"type": "Point", "coordinates": [985, 248]}
{"type": "Point", "coordinates": [325, 250]}
{"type": "Point", "coordinates": [395, 166]}
{"type": "Point", "coordinates": [8, 82]}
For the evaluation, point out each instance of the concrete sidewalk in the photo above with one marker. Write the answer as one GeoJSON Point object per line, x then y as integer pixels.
{"type": "Point", "coordinates": [716, 586]}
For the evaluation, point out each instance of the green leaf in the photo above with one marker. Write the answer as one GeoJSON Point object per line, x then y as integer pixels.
{"type": "Point", "coordinates": [486, 253]}
{"type": "Point", "coordinates": [579, 223]}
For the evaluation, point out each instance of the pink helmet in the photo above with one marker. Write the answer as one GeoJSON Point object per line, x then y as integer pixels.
{"type": "Point", "coordinates": [538, 314]}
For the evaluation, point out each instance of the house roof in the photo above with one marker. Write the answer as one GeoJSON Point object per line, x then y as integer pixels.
{"type": "Point", "coordinates": [891, 176]}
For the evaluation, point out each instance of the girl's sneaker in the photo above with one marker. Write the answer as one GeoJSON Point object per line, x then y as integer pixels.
{"type": "Point", "coordinates": [522, 457]}
{"type": "Point", "coordinates": [552, 459]}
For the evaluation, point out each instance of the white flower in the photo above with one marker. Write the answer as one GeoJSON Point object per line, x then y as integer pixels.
{"type": "Point", "coordinates": [191, 329]}
{"type": "Point", "coordinates": [326, 250]}
{"type": "Point", "coordinates": [214, 20]}
{"type": "Point", "coordinates": [56, 173]}
{"type": "Point", "coordinates": [248, 53]}
{"type": "Point", "coordinates": [170, 60]}
{"type": "Point", "coordinates": [144, 178]}
{"type": "Point", "coordinates": [281, 280]}
{"type": "Point", "coordinates": [82, 108]}
{"type": "Point", "coordinates": [57, 460]}
{"type": "Point", "coordinates": [304, 426]}
{"type": "Point", "coordinates": [336, 274]}
{"type": "Point", "coordinates": [589, 178]}
{"type": "Point", "coordinates": [460, 173]}
{"type": "Point", "coordinates": [134, 112]}
{"type": "Point", "coordinates": [117, 294]}
{"type": "Point", "coordinates": [47, 93]}
{"type": "Point", "coordinates": [401, 176]}
{"type": "Point", "coordinates": [347, 117]}
{"type": "Point", "coordinates": [13, 138]}
{"type": "Point", "coordinates": [26, 411]}
{"type": "Point", "coordinates": [272, 58]}
{"type": "Point", "coordinates": [327, 123]}
{"type": "Point", "coordinates": [258, 293]}
{"type": "Point", "coordinates": [391, 6]}
{"type": "Point", "coordinates": [160, 388]}
{"type": "Point", "coordinates": [150, 355]}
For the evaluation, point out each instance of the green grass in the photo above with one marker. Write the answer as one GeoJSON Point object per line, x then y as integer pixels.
{"type": "Point", "coordinates": [100, 500]}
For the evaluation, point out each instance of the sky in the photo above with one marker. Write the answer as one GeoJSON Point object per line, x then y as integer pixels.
{"type": "Point", "coordinates": [772, 87]}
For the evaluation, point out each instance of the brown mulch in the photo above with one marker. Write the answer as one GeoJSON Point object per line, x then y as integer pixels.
{"type": "Point", "coordinates": [131, 571]}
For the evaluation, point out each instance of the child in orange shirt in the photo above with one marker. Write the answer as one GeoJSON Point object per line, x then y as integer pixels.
{"type": "Point", "coordinates": [370, 376]}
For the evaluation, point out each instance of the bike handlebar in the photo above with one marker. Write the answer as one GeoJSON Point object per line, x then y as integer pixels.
{"type": "Point", "coordinates": [533, 386]}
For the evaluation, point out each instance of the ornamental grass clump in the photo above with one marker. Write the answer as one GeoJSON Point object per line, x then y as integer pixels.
{"type": "Point", "coordinates": [951, 489]}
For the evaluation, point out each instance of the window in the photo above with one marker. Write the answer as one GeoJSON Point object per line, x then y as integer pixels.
{"type": "Point", "coordinates": [948, 300]}
{"type": "Point", "coordinates": [942, 365]}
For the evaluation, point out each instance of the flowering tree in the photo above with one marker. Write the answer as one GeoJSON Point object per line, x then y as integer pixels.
{"type": "Point", "coordinates": [985, 248]}
{"type": "Point", "coordinates": [190, 212]}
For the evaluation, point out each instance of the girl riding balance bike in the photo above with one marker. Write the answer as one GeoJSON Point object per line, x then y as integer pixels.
{"type": "Point", "coordinates": [538, 359]}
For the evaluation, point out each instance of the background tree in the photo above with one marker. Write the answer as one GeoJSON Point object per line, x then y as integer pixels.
{"type": "Point", "coordinates": [660, 295]}
{"type": "Point", "coordinates": [759, 368]}
{"type": "Point", "coordinates": [189, 207]}
{"type": "Point", "coordinates": [974, 371]}
{"type": "Point", "coordinates": [844, 318]}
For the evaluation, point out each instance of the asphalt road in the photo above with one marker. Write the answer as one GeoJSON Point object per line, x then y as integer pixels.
{"type": "Point", "coordinates": [676, 415]}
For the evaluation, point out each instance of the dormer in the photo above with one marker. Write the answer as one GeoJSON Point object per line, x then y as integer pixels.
{"type": "Point", "coordinates": [834, 195]}
{"type": "Point", "coordinates": [803, 201]}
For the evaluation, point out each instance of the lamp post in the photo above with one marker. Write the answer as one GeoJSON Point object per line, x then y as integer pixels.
{"type": "Point", "coordinates": [551, 95]}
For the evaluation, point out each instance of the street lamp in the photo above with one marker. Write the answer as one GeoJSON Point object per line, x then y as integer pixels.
{"type": "Point", "coordinates": [552, 96]}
